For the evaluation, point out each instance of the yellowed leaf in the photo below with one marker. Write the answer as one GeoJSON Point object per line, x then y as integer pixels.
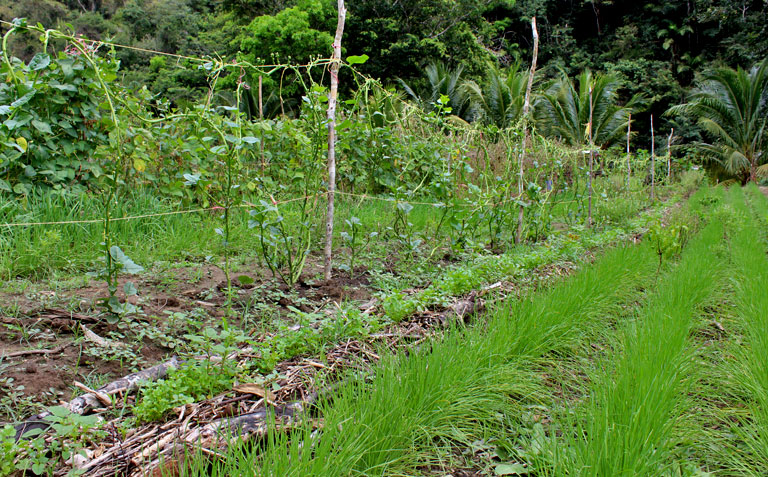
{"type": "Point", "coordinates": [22, 142]}
{"type": "Point", "coordinates": [140, 164]}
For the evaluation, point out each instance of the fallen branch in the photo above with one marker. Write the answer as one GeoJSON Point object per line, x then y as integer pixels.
{"type": "Point", "coordinates": [27, 352]}
{"type": "Point", "coordinates": [98, 340]}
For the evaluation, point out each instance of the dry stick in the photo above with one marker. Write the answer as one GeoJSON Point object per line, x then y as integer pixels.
{"type": "Point", "coordinates": [526, 108]}
{"type": "Point", "coordinates": [335, 63]}
{"type": "Point", "coordinates": [669, 153]}
{"type": "Point", "coordinates": [591, 159]}
{"type": "Point", "coordinates": [629, 164]}
{"type": "Point", "coordinates": [653, 162]}
{"type": "Point", "coordinates": [26, 352]}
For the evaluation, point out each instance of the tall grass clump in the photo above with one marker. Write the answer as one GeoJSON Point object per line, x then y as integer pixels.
{"type": "Point", "coordinates": [414, 408]}
{"type": "Point", "coordinates": [626, 427]}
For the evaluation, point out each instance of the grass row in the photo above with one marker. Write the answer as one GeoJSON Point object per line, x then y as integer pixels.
{"type": "Point", "coordinates": [750, 369]}
{"type": "Point", "coordinates": [628, 424]}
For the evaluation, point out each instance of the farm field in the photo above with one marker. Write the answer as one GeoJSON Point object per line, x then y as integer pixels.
{"type": "Point", "coordinates": [447, 238]}
{"type": "Point", "coordinates": [283, 340]}
{"type": "Point", "coordinates": [489, 370]}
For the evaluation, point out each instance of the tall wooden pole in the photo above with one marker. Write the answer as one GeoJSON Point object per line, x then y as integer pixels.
{"type": "Point", "coordinates": [591, 158]}
{"type": "Point", "coordinates": [526, 109]}
{"type": "Point", "coordinates": [261, 118]}
{"type": "Point", "coordinates": [629, 163]}
{"type": "Point", "coordinates": [261, 104]}
{"type": "Point", "coordinates": [669, 153]}
{"type": "Point", "coordinates": [335, 63]}
{"type": "Point", "coordinates": [653, 162]}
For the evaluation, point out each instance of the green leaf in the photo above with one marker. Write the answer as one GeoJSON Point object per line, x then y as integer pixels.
{"type": "Point", "coordinates": [245, 280]}
{"type": "Point", "coordinates": [39, 61]}
{"type": "Point", "coordinates": [405, 207]}
{"type": "Point", "coordinates": [67, 66]}
{"type": "Point", "coordinates": [511, 469]}
{"type": "Point", "coordinates": [59, 412]}
{"type": "Point", "coordinates": [20, 120]}
{"type": "Point", "coordinates": [5, 186]}
{"type": "Point", "coordinates": [130, 289]}
{"type": "Point", "coordinates": [357, 60]}
{"type": "Point", "coordinates": [250, 139]}
{"type": "Point", "coordinates": [65, 87]}
{"type": "Point", "coordinates": [129, 266]}
{"type": "Point", "coordinates": [23, 100]}
{"type": "Point", "coordinates": [44, 128]}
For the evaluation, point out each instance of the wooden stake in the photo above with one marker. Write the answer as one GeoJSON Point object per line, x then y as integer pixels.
{"type": "Point", "coordinates": [591, 159]}
{"type": "Point", "coordinates": [653, 162]}
{"type": "Point", "coordinates": [261, 118]}
{"type": "Point", "coordinates": [526, 108]}
{"type": "Point", "coordinates": [336, 61]}
{"type": "Point", "coordinates": [669, 153]}
{"type": "Point", "coordinates": [261, 105]}
{"type": "Point", "coordinates": [629, 164]}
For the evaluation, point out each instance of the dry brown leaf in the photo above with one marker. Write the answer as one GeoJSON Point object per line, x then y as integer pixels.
{"type": "Point", "coordinates": [257, 389]}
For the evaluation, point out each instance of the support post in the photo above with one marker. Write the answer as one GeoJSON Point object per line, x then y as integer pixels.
{"type": "Point", "coordinates": [591, 158]}
{"type": "Point", "coordinates": [526, 109]}
{"type": "Point", "coordinates": [669, 153]}
{"type": "Point", "coordinates": [335, 63]}
{"type": "Point", "coordinates": [629, 163]}
{"type": "Point", "coordinates": [261, 118]}
{"type": "Point", "coordinates": [653, 163]}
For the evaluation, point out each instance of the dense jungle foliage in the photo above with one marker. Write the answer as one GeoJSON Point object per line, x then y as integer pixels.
{"type": "Point", "coordinates": [641, 58]}
{"type": "Point", "coordinates": [654, 48]}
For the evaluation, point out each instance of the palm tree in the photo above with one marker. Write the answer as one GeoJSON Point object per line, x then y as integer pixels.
{"type": "Point", "coordinates": [443, 81]}
{"type": "Point", "coordinates": [732, 106]}
{"type": "Point", "coordinates": [500, 100]}
{"type": "Point", "coordinates": [563, 110]}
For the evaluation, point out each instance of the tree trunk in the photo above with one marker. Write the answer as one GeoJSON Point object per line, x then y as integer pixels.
{"type": "Point", "coordinates": [335, 63]}
{"type": "Point", "coordinates": [526, 108]}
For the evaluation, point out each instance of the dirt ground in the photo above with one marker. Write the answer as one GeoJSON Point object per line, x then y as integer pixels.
{"type": "Point", "coordinates": [40, 319]}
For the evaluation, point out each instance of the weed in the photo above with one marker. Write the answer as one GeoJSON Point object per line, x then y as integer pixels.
{"type": "Point", "coordinates": [71, 432]}
{"type": "Point", "coordinates": [185, 385]}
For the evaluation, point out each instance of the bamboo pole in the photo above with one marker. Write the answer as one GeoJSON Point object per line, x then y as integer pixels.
{"type": "Point", "coordinates": [336, 62]}
{"type": "Point", "coordinates": [526, 109]}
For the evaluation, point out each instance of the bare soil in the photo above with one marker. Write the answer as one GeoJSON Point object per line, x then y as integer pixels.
{"type": "Point", "coordinates": [44, 318]}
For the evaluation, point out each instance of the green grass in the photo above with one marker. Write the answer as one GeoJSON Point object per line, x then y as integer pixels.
{"type": "Point", "coordinates": [627, 424]}
{"type": "Point", "coordinates": [39, 251]}
{"type": "Point", "coordinates": [750, 371]}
